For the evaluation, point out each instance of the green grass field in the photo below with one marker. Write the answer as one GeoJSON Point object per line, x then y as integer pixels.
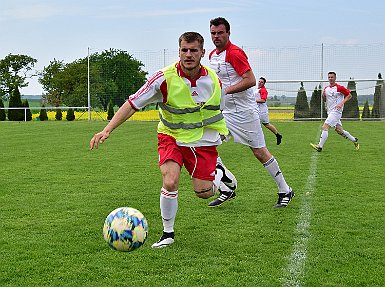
{"type": "Point", "coordinates": [55, 194]}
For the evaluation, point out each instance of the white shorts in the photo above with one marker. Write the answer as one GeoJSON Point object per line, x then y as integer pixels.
{"type": "Point", "coordinates": [264, 117]}
{"type": "Point", "coordinates": [334, 119]}
{"type": "Point", "coordinates": [246, 128]}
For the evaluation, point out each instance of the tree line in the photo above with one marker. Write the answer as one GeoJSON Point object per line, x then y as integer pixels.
{"type": "Point", "coordinates": [113, 74]}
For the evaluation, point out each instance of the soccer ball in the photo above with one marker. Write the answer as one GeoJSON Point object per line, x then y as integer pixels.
{"type": "Point", "coordinates": [125, 229]}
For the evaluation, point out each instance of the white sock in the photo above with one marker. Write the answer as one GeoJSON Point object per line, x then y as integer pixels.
{"type": "Point", "coordinates": [347, 135]}
{"type": "Point", "coordinates": [168, 208]}
{"type": "Point", "coordinates": [323, 138]}
{"type": "Point", "coordinates": [273, 168]}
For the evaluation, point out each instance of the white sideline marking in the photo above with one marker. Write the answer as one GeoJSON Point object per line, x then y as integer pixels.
{"type": "Point", "coordinates": [295, 268]}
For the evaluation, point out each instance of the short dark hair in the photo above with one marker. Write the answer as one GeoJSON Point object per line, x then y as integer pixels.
{"type": "Point", "coordinates": [263, 79]}
{"type": "Point", "coordinates": [190, 37]}
{"type": "Point", "coordinates": [334, 73]}
{"type": "Point", "coordinates": [220, 20]}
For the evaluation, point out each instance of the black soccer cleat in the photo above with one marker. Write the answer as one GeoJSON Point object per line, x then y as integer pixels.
{"type": "Point", "coordinates": [223, 196]}
{"type": "Point", "coordinates": [284, 199]}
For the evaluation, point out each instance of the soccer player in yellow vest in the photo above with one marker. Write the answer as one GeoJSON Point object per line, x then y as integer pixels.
{"type": "Point", "coordinates": [189, 130]}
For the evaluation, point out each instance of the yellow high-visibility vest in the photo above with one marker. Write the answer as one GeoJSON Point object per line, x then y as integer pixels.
{"type": "Point", "coordinates": [181, 117]}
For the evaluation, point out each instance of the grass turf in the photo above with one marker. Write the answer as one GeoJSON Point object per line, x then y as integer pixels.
{"type": "Point", "coordinates": [55, 195]}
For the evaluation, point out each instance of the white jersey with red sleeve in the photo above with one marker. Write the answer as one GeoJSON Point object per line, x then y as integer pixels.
{"type": "Point", "coordinates": [335, 95]}
{"type": "Point", "coordinates": [155, 91]}
{"type": "Point", "coordinates": [261, 94]}
{"type": "Point", "coordinates": [230, 64]}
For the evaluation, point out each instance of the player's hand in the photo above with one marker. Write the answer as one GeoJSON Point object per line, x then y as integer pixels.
{"type": "Point", "coordinates": [98, 138]}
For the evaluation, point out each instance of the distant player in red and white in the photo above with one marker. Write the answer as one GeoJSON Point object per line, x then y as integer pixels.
{"type": "Point", "coordinates": [263, 110]}
{"type": "Point", "coordinates": [336, 96]}
{"type": "Point", "coordinates": [239, 107]}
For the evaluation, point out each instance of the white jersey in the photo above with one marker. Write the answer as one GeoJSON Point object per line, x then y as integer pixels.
{"type": "Point", "coordinates": [155, 91]}
{"type": "Point", "coordinates": [261, 94]}
{"type": "Point", "coordinates": [335, 95]}
{"type": "Point", "coordinates": [230, 64]}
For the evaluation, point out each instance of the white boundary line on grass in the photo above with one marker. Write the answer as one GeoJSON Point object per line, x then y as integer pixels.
{"type": "Point", "coordinates": [295, 268]}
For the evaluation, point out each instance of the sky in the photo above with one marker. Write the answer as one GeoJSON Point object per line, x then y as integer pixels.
{"type": "Point", "coordinates": [66, 29]}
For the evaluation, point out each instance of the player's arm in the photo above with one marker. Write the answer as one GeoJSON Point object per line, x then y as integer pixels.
{"type": "Point", "coordinates": [347, 96]}
{"type": "Point", "coordinates": [151, 92]}
{"type": "Point", "coordinates": [342, 103]}
{"type": "Point", "coordinates": [263, 96]}
{"type": "Point", "coordinates": [248, 81]}
{"type": "Point", "coordinates": [123, 114]}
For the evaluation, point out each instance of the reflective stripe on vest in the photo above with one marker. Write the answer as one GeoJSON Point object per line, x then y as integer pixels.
{"type": "Point", "coordinates": [190, 126]}
{"type": "Point", "coordinates": [187, 110]}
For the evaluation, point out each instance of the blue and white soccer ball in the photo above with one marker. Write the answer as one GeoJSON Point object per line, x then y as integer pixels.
{"type": "Point", "coordinates": [125, 229]}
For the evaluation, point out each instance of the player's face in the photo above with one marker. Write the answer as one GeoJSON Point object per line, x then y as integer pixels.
{"type": "Point", "coordinates": [332, 79]}
{"type": "Point", "coordinates": [260, 83]}
{"type": "Point", "coordinates": [190, 55]}
{"type": "Point", "coordinates": [219, 36]}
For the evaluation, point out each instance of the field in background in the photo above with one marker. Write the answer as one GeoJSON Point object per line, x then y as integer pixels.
{"type": "Point", "coordinates": [55, 194]}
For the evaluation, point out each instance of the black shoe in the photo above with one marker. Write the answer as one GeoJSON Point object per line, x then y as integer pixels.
{"type": "Point", "coordinates": [279, 138]}
{"type": "Point", "coordinates": [223, 196]}
{"type": "Point", "coordinates": [284, 199]}
{"type": "Point", "coordinates": [166, 240]}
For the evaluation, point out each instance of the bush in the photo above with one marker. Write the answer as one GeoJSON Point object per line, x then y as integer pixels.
{"type": "Point", "coordinates": [2, 112]}
{"type": "Point", "coordinates": [15, 102]}
{"type": "Point", "coordinates": [70, 115]}
{"type": "Point", "coordinates": [351, 109]}
{"type": "Point", "coordinates": [43, 114]}
{"type": "Point", "coordinates": [110, 110]}
{"type": "Point", "coordinates": [58, 115]}
{"type": "Point", "coordinates": [301, 109]}
{"type": "Point", "coordinates": [366, 111]}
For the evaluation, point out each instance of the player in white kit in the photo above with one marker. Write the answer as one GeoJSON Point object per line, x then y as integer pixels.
{"type": "Point", "coordinates": [239, 107]}
{"type": "Point", "coordinates": [263, 110]}
{"type": "Point", "coordinates": [336, 96]}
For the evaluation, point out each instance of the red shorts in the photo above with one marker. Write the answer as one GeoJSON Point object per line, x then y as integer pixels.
{"type": "Point", "coordinates": [200, 162]}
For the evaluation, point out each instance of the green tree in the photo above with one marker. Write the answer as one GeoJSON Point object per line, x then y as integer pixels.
{"type": "Point", "coordinates": [110, 112]}
{"type": "Point", "coordinates": [351, 109]}
{"type": "Point", "coordinates": [59, 115]}
{"type": "Point", "coordinates": [366, 111]}
{"type": "Point", "coordinates": [301, 109]}
{"type": "Point", "coordinates": [2, 112]}
{"type": "Point", "coordinates": [43, 114]}
{"type": "Point", "coordinates": [120, 75]}
{"type": "Point", "coordinates": [377, 97]}
{"type": "Point", "coordinates": [15, 102]}
{"type": "Point", "coordinates": [113, 74]}
{"type": "Point", "coordinates": [315, 103]}
{"type": "Point", "coordinates": [28, 115]}
{"type": "Point", "coordinates": [14, 71]}
{"type": "Point", "coordinates": [51, 80]}
{"type": "Point", "coordinates": [70, 115]}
